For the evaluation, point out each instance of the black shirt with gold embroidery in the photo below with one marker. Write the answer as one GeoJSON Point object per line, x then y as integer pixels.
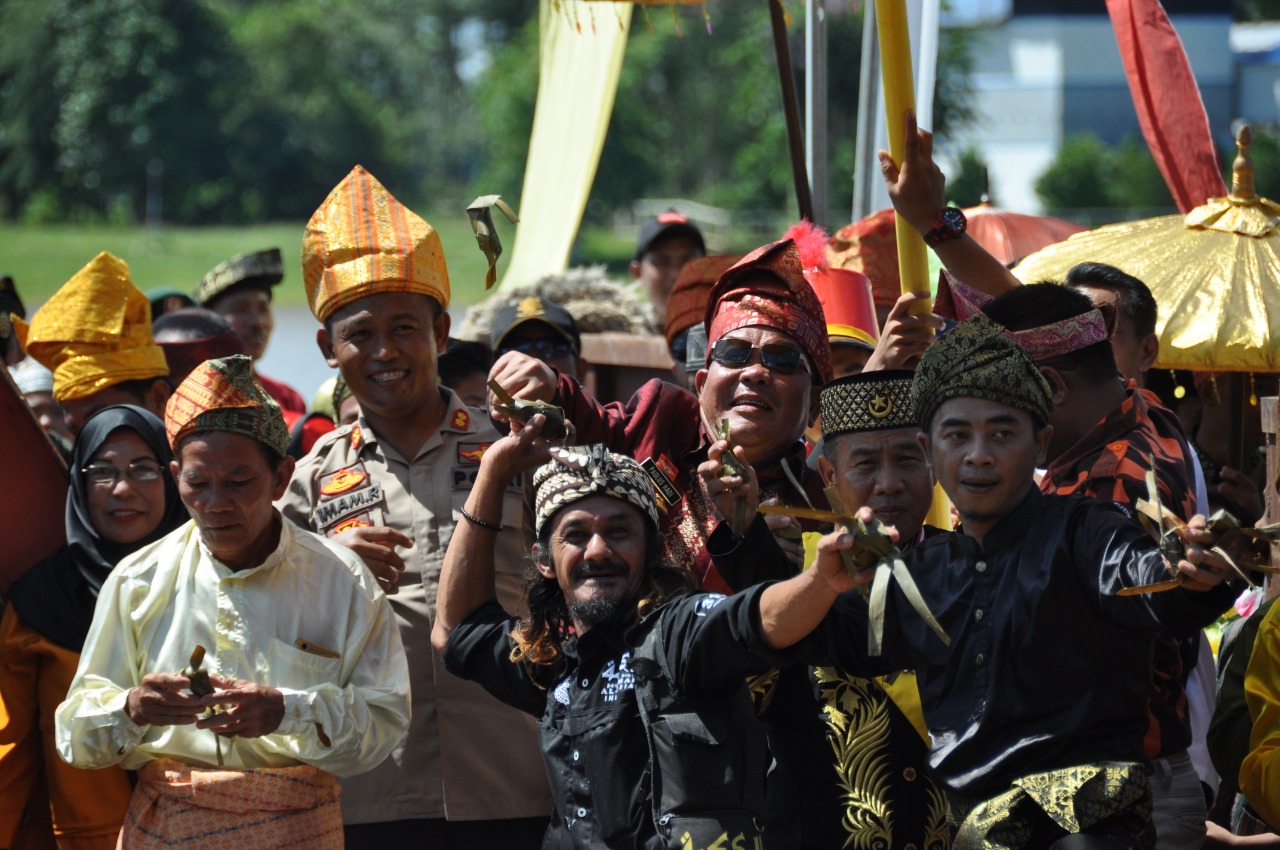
{"type": "Point", "coordinates": [850, 770]}
{"type": "Point", "coordinates": [1047, 666]}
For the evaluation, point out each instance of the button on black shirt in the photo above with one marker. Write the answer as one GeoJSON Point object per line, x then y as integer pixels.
{"type": "Point", "coordinates": [1047, 667]}
{"type": "Point", "coordinates": [592, 735]}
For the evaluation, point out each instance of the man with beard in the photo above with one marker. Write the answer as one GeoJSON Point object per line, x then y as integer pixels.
{"type": "Point", "coordinates": [1036, 704]}
{"type": "Point", "coordinates": [768, 353]}
{"type": "Point", "coordinates": [647, 728]}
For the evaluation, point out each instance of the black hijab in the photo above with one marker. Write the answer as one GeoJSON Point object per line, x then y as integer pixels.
{"type": "Point", "coordinates": [56, 597]}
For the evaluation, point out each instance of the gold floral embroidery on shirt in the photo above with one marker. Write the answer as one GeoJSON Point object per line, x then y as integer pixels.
{"type": "Point", "coordinates": [859, 726]}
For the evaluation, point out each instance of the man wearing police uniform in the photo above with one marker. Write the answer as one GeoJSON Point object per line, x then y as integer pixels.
{"type": "Point", "coordinates": [391, 486]}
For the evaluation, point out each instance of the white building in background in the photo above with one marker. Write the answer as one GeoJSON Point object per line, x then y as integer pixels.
{"type": "Point", "coordinates": [1051, 68]}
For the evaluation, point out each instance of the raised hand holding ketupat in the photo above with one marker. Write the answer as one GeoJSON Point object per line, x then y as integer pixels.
{"type": "Point", "coordinates": [524, 377]}
{"type": "Point", "coordinates": [732, 490]}
{"type": "Point", "coordinates": [918, 190]}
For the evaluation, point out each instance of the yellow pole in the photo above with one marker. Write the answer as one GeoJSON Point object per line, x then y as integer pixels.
{"type": "Point", "coordinates": [899, 96]}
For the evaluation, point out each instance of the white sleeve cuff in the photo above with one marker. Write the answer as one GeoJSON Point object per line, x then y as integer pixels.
{"type": "Point", "coordinates": [298, 717]}
{"type": "Point", "coordinates": [125, 734]}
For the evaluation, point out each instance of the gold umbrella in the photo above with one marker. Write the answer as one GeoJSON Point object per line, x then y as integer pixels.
{"type": "Point", "coordinates": [1215, 274]}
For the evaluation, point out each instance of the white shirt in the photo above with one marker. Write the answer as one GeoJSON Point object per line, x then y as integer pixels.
{"type": "Point", "coordinates": [351, 679]}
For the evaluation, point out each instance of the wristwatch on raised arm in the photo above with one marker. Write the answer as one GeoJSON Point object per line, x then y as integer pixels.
{"type": "Point", "coordinates": [949, 224]}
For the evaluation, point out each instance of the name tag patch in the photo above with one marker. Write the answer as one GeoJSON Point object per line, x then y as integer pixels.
{"type": "Point", "coordinates": [327, 513]}
{"type": "Point", "coordinates": [668, 495]}
{"type": "Point", "coordinates": [464, 478]}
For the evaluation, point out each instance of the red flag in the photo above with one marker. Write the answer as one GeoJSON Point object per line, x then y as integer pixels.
{"type": "Point", "coordinates": [1168, 101]}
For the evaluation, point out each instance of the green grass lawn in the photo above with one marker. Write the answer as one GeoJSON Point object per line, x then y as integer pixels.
{"type": "Point", "coordinates": [42, 257]}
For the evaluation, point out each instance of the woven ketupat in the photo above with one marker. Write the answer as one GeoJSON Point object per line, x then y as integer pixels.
{"type": "Point", "coordinates": [221, 395]}
{"type": "Point", "coordinates": [94, 332]}
{"type": "Point", "coordinates": [362, 241]}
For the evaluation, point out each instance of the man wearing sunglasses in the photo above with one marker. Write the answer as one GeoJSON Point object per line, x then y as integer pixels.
{"type": "Point", "coordinates": [768, 355]}
{"type": "Point", "coordinates": [542, 329]}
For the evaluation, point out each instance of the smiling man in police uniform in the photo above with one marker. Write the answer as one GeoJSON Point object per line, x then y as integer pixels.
{"type": "Point", "coordinates": [391, 486]}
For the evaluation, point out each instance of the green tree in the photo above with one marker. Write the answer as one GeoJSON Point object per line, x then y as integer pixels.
{"type": "Point", "coordinates": [1135, 179]}
{"type": "Point", "coordinates": [697, 115]}
{"type": "Point", "coordinates": [1077, 177]}
{"type": "Point", "coordinates": [969, 185]}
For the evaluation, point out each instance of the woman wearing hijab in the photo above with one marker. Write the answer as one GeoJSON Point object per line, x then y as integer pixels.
{"type": "Point", "coordinates": [121, 499]}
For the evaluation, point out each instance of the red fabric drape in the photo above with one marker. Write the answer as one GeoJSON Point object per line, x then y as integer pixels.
{"type": "Point", "coordinates": [1168, 101]}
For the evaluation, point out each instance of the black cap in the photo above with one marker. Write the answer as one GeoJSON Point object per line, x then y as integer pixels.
{"type": "Point", "coordinates": [534, 308]}
{"type": "Point", "coordinates": [663, 225]}
{"type": "Point", "coordinates": [260, 269]}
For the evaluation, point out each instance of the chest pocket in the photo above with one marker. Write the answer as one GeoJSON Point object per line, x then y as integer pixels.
{"type": "Point", "coordinates": [293, 668]}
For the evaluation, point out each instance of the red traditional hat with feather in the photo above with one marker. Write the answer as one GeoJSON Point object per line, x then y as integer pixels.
{"type": "Point", "coordinates": [768, 289]}
{"type": "Point", "coordinates": [846, 296]}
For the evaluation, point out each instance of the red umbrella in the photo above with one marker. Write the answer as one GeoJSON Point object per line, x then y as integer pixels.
{"type": "Point", "coordinates": [1010, 236]}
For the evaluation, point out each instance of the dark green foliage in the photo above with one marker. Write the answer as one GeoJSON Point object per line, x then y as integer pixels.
{"type": "Point", "coordinates": [226, 111]}
{"type": "Point", "coordinates": [969, 184]}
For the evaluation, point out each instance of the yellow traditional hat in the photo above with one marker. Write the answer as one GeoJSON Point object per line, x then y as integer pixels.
{"type": "Point", "coordinates": [95, 332]}
{"type": "Point", "coordinates": [362, 241]}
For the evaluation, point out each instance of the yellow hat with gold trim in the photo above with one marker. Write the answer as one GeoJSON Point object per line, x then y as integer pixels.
{"type": "Point", "coordinates": [362, 241]}
{"type": "Point", "coordinates": [95, 332]}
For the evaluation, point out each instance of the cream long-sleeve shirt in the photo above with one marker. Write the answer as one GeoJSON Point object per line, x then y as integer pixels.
{"type": "Point", "coordinates": [309, 621]}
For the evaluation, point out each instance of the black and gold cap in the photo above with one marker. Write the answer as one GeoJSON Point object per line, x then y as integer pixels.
{"type": "Point", "coordinates": [870, 401]}
{"type": "Point", "coordinates": [262, 269]}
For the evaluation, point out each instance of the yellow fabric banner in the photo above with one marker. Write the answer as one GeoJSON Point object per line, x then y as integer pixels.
{"type": "Point", "coordinates": [581, 46]}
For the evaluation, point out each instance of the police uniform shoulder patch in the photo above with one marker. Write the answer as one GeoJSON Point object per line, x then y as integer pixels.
{"type": "Point", "coordinates": [343, 480]}
{"type": "Point", "coordinates": [361, 521]}
{"type": "Point", "coordinates": [357, 437]}
{"type": "Point", "coordinates": [472, 452]}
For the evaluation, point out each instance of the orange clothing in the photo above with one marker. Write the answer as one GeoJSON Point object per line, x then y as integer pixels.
{"type": "Point", "coordinates": [265, 808]}
{"type": "Point", "coordinates": [87, 806]}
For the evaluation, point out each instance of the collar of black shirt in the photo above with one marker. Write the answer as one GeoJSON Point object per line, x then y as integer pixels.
{"type": "Point", "coordinates": [1011, 529]}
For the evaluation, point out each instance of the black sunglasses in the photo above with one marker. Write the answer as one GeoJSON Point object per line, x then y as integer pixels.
{"type": "Point", "coordinates": [776, 357]}
{"type": "Point", "coordinates": [538, 347]}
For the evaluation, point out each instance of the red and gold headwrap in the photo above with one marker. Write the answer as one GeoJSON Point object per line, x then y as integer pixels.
{"type": "Point", "coordinates": [767, 289]}
{"type": "Point", "coordinates": [94, 333]}
{"type": "Point", "coordinates": [957, 300]}
{"type": "Point", "coordinates": [362, 241]}
{"type": "Point", "coordinates": [221, 395]}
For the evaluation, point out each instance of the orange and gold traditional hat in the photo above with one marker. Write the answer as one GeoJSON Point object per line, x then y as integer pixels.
{"type": "Point", "coordinates": [362, 241]}
{"type": "Point", "coordinates": [222, 395]}
{"type": "Point", "coordinates": [687, 303]}
{"type": "Point", "coordinates": [95, 332]}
